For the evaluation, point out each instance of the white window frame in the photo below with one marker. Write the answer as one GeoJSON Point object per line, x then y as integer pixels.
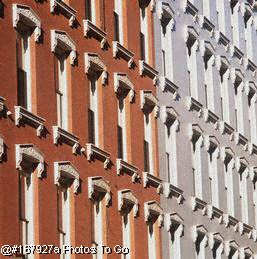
{"type": "Point", "coordinates": [200, 238]}
{"type": "Point", "coordinates": [192, 36]}
{"type": "Point", "coordinates": [242, 167]}
{"type": "Point", "coordinates": [23, 14]}
{"type": "Point", "coordinates": [227, 153]}
{"type": "Point", "coordinates": [238, 81]}
{"type": "Point", "coordinates": [216, 243]}
{"type": "Point", "coordinates": [212, 147]}
{"type": "Point", "coordinates": [149, 104]}
{"type": "Point", "coordinates": [63, 46]}
{"type": "Point", "coordinates": [153, 210]}
{"type": "Point", "coordinates": [250, 89]}
{"type": "Point", "coordinates": [170, 119]}
{"type": "Point", "coordinates": [118, 8]}
{"type": "Point", "coordinates": [167, 21]}
{"type": "Point", "coordinates": [62, 94]}
{"type": "Point", "coordinates": [126, 201]}
{"type": "Point", "coordinates": [208, 49]}
{"type": "Point", "coordinates": [195, 132]}
{"type": "Point", "coordinates": [29, 154]}
{"type": "Point", "coordinates": [231, 249]}
{"type": "Point", "coordinates": [97, 185]}
{"type": "Point", "coordinates": [175, 227]}
{"type": "Point", "coordinates": [122, 83]}
{"type": "Point", "coordinates": [66, 170]}
{"type": "Point", "coordinates": [96, 71]}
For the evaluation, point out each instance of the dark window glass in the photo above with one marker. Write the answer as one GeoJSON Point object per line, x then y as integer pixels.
{"type": "Point", "coordinates": [88, 11]}
{"type": "Point", "coordinates": [146, 156]}
{"type": "Point", "coordinates": [120, 143]}
{"type": "Point", "coordinates": [116, 27]}
{"type": "Point", "coordinates": [91, 126]}
{"type": "Point", "coordinates": [142, 46]}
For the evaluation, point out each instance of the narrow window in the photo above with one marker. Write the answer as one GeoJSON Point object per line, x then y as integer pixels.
{"type": "Point", "coordinates": [26, 207]}
{"type": "Point", "coordinates": [88, 11]}
{"type": "Point", "coordinates": [142, 46]}
{"type": "Point", "coordinates": [146, 156]}
{"type": "Point", "coordinates": [91, 126]}
{"type": "Point", "coordinates": [164, 62]}
{"type": "Point", "coordinates": [151, 241]}
{"type": "Point", "coordinates": [93, 111]}
{"type": "Point", "coordinates": [116, 27]}
{"type": "Point", "coordinates": [61, 93]}
{"type": "Point", "coordinates": [122, 147]}
{"type": "Point", "coordinates": [24, 70]}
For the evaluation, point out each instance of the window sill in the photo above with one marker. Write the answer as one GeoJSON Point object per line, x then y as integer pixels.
{"type": "Point", "coordinates": [199, 204]}
{"type": "Point", "coordinates": [65, 9]}
{"type": "Point", "coordinates": [210, 116]}
{"type": "Point", "coordinates": [123, 166]}
{"type": "Point", "coordinates": [92, 30]}
{"type": "Point", "coordinates": [96, 152]}
{"type": "Point", "coordinates": [214, 212]}
{"type": "Point", "coordinates": [151, 180]}
{"type": "Point", "coordinates": [145, 69]}
{"type": "Point", "coordinates": [167, 85]}
{"type": "Point", "coordinates": [190, 9]}
{"type": "Point", "coordinates": [193, 104]}
{"type": "Point", "coordinates": [121, 51]}
{"type": "Point", "coordinates": [230, 221]}
{"type": "Point", "coordinates": [226, 128]}
{"type": "Point", "coordinates": [61, 135]}
{"type": "Point", "coordinates": [245, 228]}
{"type": "Point", "coordinates": [171, 190]}
{"type": "Point", "coordinates": [23, 115]}
{"type": "Point", "coordinates": [207, 24]}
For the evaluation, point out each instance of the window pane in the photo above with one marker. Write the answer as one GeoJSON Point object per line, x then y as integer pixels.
{"type": "Point", "coordinates": [116, 27]}
{"type": "Point", "coordinates": [146, 156]}
{"type": "Point", "coordinates": [120, 143]}
{"type": "Point", "coordinates": [91, 126]}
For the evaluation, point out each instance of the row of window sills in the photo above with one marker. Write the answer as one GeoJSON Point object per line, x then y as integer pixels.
{"type": "Point", "coordinates": [220, 38]}
{"type": "Point", "coordinates": [229, 221]}
{"type": "Point", "coordinates": [23, 116]}
{"type": "Point", "coordinates": [222, 126]}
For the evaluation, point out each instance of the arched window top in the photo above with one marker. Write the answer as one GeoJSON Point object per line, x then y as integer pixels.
{"type": "Point", "coordinates": [93, 63]}
{"type": "Point", "coordinates": [216, 238]}
{"type": "Point", "coordinates": [66, 170]}
{"type": "Point", "coordinates": [153, 211]}
{"type": "Point", "coordinates": [98, 185]}
{"type": "Point", "coordinates": [170, 116]}
{"type": "Point", "coordinates": [122, 82]}
{"type": "Point", "coordinates": [145, 3]}
{"type": "Point", "coordinates": [200, 231]}
{"type": "Point", "coordinates": [149, 102]}
{"type": "Point", "coordinates": [174, 220]}
{"type": "Point", "coordinates": [211, 143]}
{"type": "Point", "coordinates": [242, 165]}
{"type": "Point", "coordinates": [231, 247]}
{"type": "Point", "coordinates": [62, 43]}
{"type": "Point", "coordinates": [227, 154]}
{"type": "Point", "coordinates": [25, 15]}
{"type": "Point", "coordinates": [191, 34]}
{"type": "Point", "coordinates": [165, 12]}
{"type": "Point", "coordinates": [195, 131]}
{"type": "Point", "coordinates": [29, 154]}
{"type": "Point", "coordinates": [126, 198]}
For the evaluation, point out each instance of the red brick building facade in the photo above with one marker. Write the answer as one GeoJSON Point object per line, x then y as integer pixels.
{"type": "Point", "coordinates": [72, 153]}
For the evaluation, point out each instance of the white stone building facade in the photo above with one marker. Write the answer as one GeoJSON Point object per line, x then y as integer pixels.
{"type": "Point", "coordinates": [206, 55]}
